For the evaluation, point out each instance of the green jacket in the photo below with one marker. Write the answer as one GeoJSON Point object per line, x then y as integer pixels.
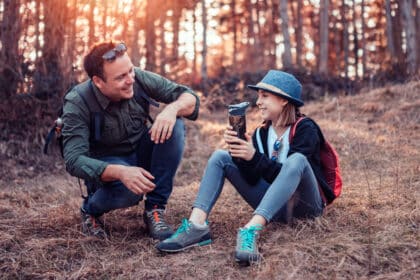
{"type": "Point", "coordinates": [124, 123]}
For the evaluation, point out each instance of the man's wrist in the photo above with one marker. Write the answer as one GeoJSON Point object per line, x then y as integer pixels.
{"type": "Point", "coordinates": [112, 172]}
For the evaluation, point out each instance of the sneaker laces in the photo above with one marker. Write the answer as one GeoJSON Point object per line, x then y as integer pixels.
{"type": "Point", "coordinates": [185, 226]}
{"type": "Point", "coordinates": [248, 237]}
{"type": "Point", "coordinates": [157, 219]}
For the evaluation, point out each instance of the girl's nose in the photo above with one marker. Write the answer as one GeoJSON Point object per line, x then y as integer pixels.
{"type": "Point", "coordinates": [258, 102]}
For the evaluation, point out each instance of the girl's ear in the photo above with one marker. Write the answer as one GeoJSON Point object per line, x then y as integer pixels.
{"type": "Point", "coordinates": [284, 102]}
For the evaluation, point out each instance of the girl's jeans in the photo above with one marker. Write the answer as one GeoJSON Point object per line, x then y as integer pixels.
{"type": "Point", "coordinates": [296, 179]}
{"type": "Point", "coordinates": [162, 160]}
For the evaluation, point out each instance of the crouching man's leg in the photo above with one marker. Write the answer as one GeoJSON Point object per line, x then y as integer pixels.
{"type": "Point", "coordinates": [106, 197]}
{"type": "Point", "coordinates": [162, 160]}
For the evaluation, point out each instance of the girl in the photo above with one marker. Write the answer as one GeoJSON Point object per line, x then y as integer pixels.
{"type": "Point", "coordinates": [277, 178]}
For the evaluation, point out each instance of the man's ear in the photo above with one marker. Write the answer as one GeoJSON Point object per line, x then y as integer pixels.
{"type": "Point", "coordinates": [98, 82]}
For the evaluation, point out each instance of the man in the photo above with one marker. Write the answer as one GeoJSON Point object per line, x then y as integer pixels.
{"type": "Point", "coordinates": [123, 158]}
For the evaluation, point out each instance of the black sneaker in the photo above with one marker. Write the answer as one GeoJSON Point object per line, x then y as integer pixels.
{"type": "Point", "coordinates": [156, 224]}
{"type": "Point", "coordinates": [92, 226]}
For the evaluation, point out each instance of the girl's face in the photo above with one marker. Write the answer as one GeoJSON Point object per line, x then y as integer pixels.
{"type": "Point", "coordinates": [270, 105]}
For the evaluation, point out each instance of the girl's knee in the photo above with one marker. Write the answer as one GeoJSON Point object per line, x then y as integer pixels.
{"type": "Point", "coordinates": [219, 155]}
{"type": "Point", "coordinates": [296, 160]}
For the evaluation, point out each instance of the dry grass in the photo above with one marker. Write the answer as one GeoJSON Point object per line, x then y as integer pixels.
{"type": "Point", "coordinates": [370, 232]}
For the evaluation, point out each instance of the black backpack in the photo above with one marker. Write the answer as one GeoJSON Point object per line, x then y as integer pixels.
{"type": "Point", "coordinates": [85, 90]}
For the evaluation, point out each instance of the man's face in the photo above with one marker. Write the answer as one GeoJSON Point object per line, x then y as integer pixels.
{"type": "Point", "coordinates": [119, 79]}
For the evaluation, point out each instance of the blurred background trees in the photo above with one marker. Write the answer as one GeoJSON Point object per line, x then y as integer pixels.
{"type": "Point", "coordinates": [42, 42]}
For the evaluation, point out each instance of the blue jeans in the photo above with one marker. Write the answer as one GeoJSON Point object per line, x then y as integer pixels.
{"type": "Point", "coordinates": [162, 160]}
{"type": "Point", "coordinates": [296, 179]}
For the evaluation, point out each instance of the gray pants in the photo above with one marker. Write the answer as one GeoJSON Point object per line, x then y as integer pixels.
{"type": "Point", "coordinates": [296, 182]}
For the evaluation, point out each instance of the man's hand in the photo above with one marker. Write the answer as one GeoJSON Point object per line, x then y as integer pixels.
{"type": "Point", "coordinates": [237, 147]}
{"type": "Point", "coordinates": [136, 179]}
{"type": "Point", "coordinates": [163, 125]}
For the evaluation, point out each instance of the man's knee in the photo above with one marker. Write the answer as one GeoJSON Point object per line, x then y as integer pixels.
{"type": "Point", "coordinates": [178, 131]}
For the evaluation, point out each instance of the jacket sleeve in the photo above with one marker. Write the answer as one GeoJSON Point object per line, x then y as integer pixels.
{"type": "Point", "coordinates": [166, 91]}
{"type": "Point", "coordinates": [76, 141]}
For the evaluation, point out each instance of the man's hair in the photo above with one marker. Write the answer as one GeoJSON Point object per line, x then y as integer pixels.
{"type": "Point", "coordinates": [93, 62]}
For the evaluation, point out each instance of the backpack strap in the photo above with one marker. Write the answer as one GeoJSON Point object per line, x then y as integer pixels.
{"type": "Point", "coordinates": [86, 92]}
{"type": "Point", "coordinates": [140, 96]}
{"type": "Point", "coordinates": [293, 129]}
{"type": "Point", "coordinates": [259, 142]}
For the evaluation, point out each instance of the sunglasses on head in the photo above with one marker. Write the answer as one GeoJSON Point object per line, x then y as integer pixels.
{"type": "Point", "coordinates": [276, 148]}
{"type": "Point", "coordinates": [119, 49]}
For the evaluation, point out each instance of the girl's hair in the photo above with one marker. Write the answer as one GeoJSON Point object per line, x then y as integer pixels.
{"type": "Point", "coordinates": [288, 116]}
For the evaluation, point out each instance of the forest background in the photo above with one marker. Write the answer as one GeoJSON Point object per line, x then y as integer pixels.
{"type": "Point", "coordinates": [358, 61]}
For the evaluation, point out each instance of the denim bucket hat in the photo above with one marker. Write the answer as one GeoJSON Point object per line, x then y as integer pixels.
{"type": "Point", "coordinates": [282, 84]}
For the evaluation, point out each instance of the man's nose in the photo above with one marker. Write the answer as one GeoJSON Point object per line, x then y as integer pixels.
{"type": "Point", "coordinates": [130, 79]}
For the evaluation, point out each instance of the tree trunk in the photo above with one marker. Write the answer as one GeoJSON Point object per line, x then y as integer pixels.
{"type": "Point", "coordinates": [10, 29]}
{"type": "Point", "coordinates": [195, 23]}
{"type": "Point", "coordinates": [287, 54]}
{"type": "Point", "coordinates": [417, 9]}
{"type": "Point", "coordinates": [69, 60]}
{"type": "Point", "coordinates": [150, 35]}
{"type": "Point", "coordinates": [48, 79]}
{"type": "Point", "coordinates": [162, 51]}
{"type": "Point", "coordinates": [272, 35]}
{"type": "Point", "coordinates": [299, 34]}
{"type": "Point", "coordinates": [235, 33]}
{"type": "Point", "coordinates": [389, 30]}
{"type": "Point", "coordinates": [204, 51]}
{"type": "Point", "coordinates": [251, 38]}
{"type": "Point", "coordinates": [355, 42]}
{"type": "Point", "coordinates": [323, 48]}
{"type": "Point", "coordinates": [410, 31]}
{"type": "Point", "coordinates": [37, 23]}
{"type": "Point", "coordinates": [135, 50]}
{"type": "Point", "coordinates": [177, 13]}
{"type": "Point", "coordinates": [338, 47]}
{"type": "Point", "coordinates": [397, 34]}
{"type": "Point", "coordinates": [91, 18]}
{"type": "Point", "coordinates": [258, 42]}
{"type": "Point", "coordinates": [344, 12]}
{"type": "Point", "coordinates": [104, 19]}
{"type": "Point", "coordinates": [364, 55]}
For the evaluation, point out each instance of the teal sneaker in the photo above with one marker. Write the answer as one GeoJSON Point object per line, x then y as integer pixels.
{"type": "Point", "coordinates": [246, 251]}
{"type": "Point", "coordinates": [187, 235]}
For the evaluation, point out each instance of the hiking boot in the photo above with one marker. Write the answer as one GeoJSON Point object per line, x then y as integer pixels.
{"type": "Point", "coordinates": [156, 224]}
{"type": "Point", "coordinates": [187, 235]}
{"type": "Point", "coordinates": [246, 251]}
{"type": "Point", "coordinates": [92, 226]}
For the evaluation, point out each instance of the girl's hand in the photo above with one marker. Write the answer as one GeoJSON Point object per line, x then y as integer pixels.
{"type": "Point", "coordinates": [237, 147]}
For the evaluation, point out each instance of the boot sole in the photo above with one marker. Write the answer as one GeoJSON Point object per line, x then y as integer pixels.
{"type": "Point", "coordinates": [199, 244]}
{"type": "Point", "coordinates": [247, 262]}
